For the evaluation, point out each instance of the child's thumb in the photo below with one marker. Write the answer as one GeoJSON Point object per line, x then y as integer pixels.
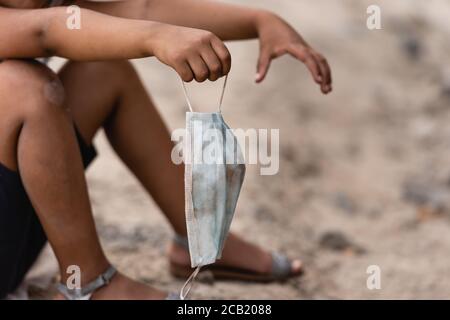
{"type": "Point", "coordinates": [263, 65]}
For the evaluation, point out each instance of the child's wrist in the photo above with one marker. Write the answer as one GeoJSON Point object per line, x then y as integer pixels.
{"type": "Point", "coordinates": [152, 30]}
{"type": "Point", "coordinates": [262, 17]}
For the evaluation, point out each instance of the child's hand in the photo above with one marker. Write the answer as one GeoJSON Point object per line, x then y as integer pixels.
{"type": "Point", "coordinates": [278, 38]}
{"type": "Point", "coordinates": [193, 53]}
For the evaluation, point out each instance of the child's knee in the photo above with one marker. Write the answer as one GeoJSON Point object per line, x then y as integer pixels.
{"type": "Point", "coordinates": [29, 86]}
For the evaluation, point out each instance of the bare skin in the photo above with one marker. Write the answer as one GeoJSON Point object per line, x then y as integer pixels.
{"type": "Point", "coordinates": [38, 140]}
{"type": "Point", "coordinates": [127, 125]}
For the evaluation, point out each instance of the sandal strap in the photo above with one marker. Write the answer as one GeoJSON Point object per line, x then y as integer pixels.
{"type": "Point", "coordinates": [173, 296]}
{"type": "Point", "coordinates": [281, 266]}
{"type": "Point", "coordinates": [181, 241]}
{"type": "Point", "coordinates": [86, 292]}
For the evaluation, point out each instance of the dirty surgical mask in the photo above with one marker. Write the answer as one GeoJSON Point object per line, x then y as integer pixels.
{"type": "Point", "coordinates": [214, 173]}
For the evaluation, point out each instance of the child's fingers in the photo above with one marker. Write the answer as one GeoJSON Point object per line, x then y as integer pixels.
{"type": "Point", "coordinates": [265, 58]}
{"type": "Point", "coordinates": [223, 53]}
{"type": "Point", "coordinates": [322, 71]}
{"type": "Point", "coordinates": [329, 73]}
{"type": "Point", "coordinates": [185, 72]}
{"type": "Point", "coordinates": [213, 63]}
{"type": "Point", "coordinates": [314, 69]}
{"type": "Point", "coordinates": [308, 59]}
{"type": "Point", "coordinates": [199, 68]}
{"type": "Point", "coordinates": [325, 72]}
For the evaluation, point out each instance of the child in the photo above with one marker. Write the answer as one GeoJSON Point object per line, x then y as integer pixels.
{"type": "Point", "coordinates": [48, 121]}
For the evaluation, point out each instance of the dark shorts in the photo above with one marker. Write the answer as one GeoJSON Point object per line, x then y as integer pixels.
{"type": "Point", "coordinates": [21, 234]}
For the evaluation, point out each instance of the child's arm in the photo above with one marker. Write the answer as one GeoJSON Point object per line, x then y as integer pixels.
{"type": "Point", "coordinates": [43, 32]}
{"type": "Point", "coordinates": [229, 22]}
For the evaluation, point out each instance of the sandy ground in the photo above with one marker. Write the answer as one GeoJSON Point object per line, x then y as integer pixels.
{"type": "Point", "coordinates": [364, 173]}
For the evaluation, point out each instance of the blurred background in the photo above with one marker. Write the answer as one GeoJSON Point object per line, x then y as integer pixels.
{"type": "Point", "coordinates": [364, 173]}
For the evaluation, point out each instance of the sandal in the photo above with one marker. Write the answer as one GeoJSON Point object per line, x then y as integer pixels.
{"type": "Point", "coordinates": [101, 281]}
{"type": "Point", "coordinates": [281, 268]}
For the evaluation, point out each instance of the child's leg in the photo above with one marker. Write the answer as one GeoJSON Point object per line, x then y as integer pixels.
{"type": "Point", "coordinates": [38, 139]}
{"type": "Point", "coordinates": [114, 96]}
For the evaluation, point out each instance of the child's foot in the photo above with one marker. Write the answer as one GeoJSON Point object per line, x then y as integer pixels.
{"type": "Point", "coordinates": [124, 288]}
{"type": "Point", "coordinates": [238, 254]}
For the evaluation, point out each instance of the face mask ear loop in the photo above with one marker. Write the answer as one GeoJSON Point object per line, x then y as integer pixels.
{"type": "Point", "coordinates": [189, 284]}
{"type": "Point", "coordinates": [223, 93]}
{"type": "Point", "coordinates": [186, 96]}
